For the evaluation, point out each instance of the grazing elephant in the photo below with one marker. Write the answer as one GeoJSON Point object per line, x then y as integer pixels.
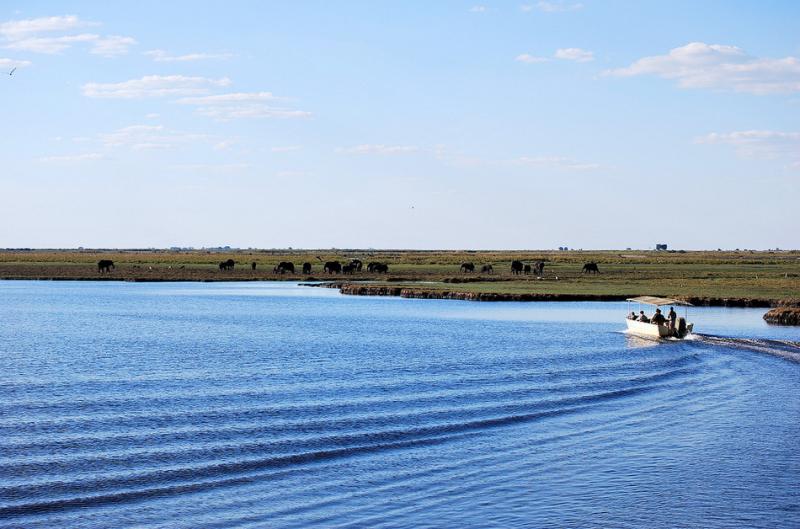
{"type": "Point", "coordinates": [306, 268]}
{"type": "Point", "coordinates": [538, 268]}
{"type": "Point", "coordinates": [105, 265]}
{"type": "Point", "coordinates": [333, 267]}
{"type": "Point", "coordinates": [286, 267]}
{"type": "Point", "coordinates": [356, 264]}
{"type": "Point", "coordinates": [487, 269]}
{"type": "Point", "coordinates": [527, 269]}
{"type": "Point", "coordinates": [371, 266]}
{"type": "Point", "coordinates": [516, 267]}
{"type": "Point", "coordinates": [227, 265]}
{"type": "Point", "coordinates": [349, 268]}
{"type": "Point", "coordinates": [591, 268]}
{"type": "Point", "coordinates": [380, 268]}
{"type": "Point", "coordinates": [467, 268]}
{"type": "Point", "coordinates": [253, 265]}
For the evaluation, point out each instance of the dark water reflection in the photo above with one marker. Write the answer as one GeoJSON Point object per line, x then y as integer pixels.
{"type": "Point", "coordinates": [270, 405]}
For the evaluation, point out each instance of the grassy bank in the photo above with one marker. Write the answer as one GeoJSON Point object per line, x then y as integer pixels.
{"type": "Point", "coordinates": [756, 275]}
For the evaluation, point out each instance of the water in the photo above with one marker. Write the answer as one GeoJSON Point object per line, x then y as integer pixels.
{"type": "Point", "coordinates": [272, 405]}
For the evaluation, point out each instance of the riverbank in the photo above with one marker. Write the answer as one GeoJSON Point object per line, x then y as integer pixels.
{"type": "Point", "coordinates": [744, 278]}
{"type": "Point", "coordinates": [783, 316]}
{"type": "Point", "coordinates": [355, 289]}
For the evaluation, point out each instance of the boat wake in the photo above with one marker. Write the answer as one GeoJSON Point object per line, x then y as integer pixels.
{"type": "Point", "coordinates": [783, 348]}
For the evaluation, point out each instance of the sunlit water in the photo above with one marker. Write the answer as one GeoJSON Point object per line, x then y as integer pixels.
{"type": "Point", "coordinates": [273, 405]}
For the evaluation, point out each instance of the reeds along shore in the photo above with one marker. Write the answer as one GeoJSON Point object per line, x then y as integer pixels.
{"type": "Point", "coordinates": [743, 278]}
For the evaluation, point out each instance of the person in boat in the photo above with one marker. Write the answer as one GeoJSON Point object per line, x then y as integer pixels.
{"type": "Point", "coordinates": [643, 317]}
{"type": "Point", "coordinates": [658, 318]}
{"type": "Point", "coordinates": [671, 317]}
{"type": "Point", "coordinates": [632, 316]}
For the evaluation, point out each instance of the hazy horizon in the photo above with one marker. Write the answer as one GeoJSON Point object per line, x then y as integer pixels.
{"type": "Point", "coordinates": [433, 126]}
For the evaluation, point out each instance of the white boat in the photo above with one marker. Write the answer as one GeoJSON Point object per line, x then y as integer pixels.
{"type": "Point", "coordinates": [681, 329]}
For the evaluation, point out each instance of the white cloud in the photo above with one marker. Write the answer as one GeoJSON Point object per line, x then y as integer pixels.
{"type": "Point", "coordinates": [527, 58]}
{"type": "Point", "coordinates": [379, 149]}
{"type": "Point", "coordinates": [73, 158]}
{"type": "Point", "coordinates": [242, 105]}
{"type": "Point", "coordinates": [224, 145]}
{"type": "Point", "coordinates": [148, 137]}
{"type": "Point", "coordinates": [552, 7]}
{"type": "Point", "coordinates": [154, 86]}
{"type": "Point", "coordinates": [236, 97]}
{"type": "Point", "coordinates": [293, 174]}
{"type": "Point", "coordinates": [152, 115]}
{"type": "Point", "coordinates": [566, 54]}
{"type": "Point", "coordinates": [8, 64]}
{"type": "Point", "coordinates": [50, 45]}
{"type": "Point", "coordinates": [715, 66]}
{"type": "Point", "coordinates": [555, 162]}
{"type": "Point", "coordinates": [759, 144]}
{"type": "Point", "coordinates": [51, 35]}
{"type": "Point", "coordinates": [213, 167]}
{"type": "Point", "coordinates": [574, 54]}
{"type": "Point", "coordinates": [112, 45]}
{"type": "Point", "coordinates": [477, 9]}
{"type": "Point", "coordinates": [163, 56]}
{"type": "Point", "coordinates": [21, 29]}
{"type": "Point", "coordinates": [287, 148]}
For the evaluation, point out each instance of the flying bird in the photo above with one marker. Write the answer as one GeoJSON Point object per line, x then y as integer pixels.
{"type": "Point", "coordinates": [14, 69]}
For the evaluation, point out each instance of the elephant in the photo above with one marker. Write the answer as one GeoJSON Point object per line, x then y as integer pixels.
{"type": "Point", "coordinates": [591, 268]}
{"type": "Point", "coordinates": [105, 265]}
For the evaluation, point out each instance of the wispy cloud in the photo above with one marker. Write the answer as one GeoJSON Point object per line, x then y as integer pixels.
{"type": "Point", "coordinates": [478, 9]}
{"type": "Point", "coordinates": [721, 67]}
{"type": "Point", "coordinates": [564, 54]}
{"type": "Point", "coordinates": [286, 148]}
{"type": "Point", "coordinates": [21, 29]}
{"type": "Point", "coordinates": [574, 54]}
{"type": "Point", "coordinates": [154, 86]}
{"type": "Point", "coordinates": [213, 167]}
{"type": "Point", "coordinates": [7, 64]}
{"type": "Point", "coordinates": [242, 105]}
{"type": "Point", "coordinates": [51, 35]}
{"type": "Point", "coordinates": [72, 158]}
{"type": "Point", "coordinates": [163, 56]}
{"type": "Point", "coordinates": [379, 149]}
{"type": "Point", "coordinates": [555, 162]}
{"type": "Point", "coordinates": [552, 7]}
{"type": "Point", "coordinates": [112, 45]}
{"type": "Point", "coordinates": [759, 144]}
{"type": "Point", "coordinates": [149, 137]}
{"type": "Point", "coordinates": [527, 58]}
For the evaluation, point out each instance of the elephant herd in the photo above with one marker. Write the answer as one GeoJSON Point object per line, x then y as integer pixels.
{"type": "Point", "coordinates": [355, 265]}
{"type": "Point", "coordinates": [330, 267]}
{"type": "Point", "coordinates": [518, 267]}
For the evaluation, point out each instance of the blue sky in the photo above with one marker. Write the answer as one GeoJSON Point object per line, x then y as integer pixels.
{"type": "Point", "coordinates": [502, 125]}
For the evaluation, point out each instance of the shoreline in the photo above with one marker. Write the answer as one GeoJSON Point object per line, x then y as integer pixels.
{"type": "Point", "coordinates": [355, 288]}
{"type": "Point", "coordinates": [350, 288]}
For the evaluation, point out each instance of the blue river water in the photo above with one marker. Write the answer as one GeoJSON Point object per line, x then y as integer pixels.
{"type": "Point", "coordinates": [187, 405]}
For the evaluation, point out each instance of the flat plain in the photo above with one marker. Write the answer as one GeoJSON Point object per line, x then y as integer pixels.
{"type": "Point", "coordinates": [751, 275]}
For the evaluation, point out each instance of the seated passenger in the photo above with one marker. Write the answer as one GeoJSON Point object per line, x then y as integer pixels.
{"type": "Point", "coordinates": [643, 317]}
{"type": "Point", "coordinates": [658, 318]}
{"type": "Point", "coordinates": [632, 316]}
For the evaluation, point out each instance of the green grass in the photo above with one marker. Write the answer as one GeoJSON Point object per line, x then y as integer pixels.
{"type": "Point", "coordinates": [745, 274]}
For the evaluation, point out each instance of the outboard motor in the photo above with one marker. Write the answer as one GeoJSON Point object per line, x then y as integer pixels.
{"type": "Point", "coordinates": [681, 327]}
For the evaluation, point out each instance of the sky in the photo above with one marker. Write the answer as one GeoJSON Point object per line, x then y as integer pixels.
{"type": "Point", "coordinates": [420, 125]}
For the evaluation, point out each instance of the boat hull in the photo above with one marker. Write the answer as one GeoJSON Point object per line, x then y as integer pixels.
{"type": "Point", "coordinates": [648, 329]}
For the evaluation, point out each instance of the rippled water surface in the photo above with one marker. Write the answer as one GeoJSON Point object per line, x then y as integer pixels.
{"type": "Point", "coordinates": [273, 405]}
